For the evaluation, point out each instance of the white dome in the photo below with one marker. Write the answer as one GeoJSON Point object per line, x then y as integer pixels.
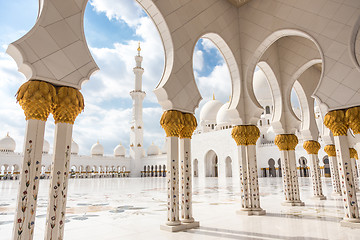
{"type": "Point", "coordinates": [261, 86]}
{"type": "Point", "coordinates": [74, 148]}
{"type": "Point", "coordinates": [223, 115]}
{"type": "Point", "coordinates": [209, 111]}
{"type": "Point", "coordinates": [153, 150]}
{"type": "Point", "coordinates": [7, 144]}
{"type": "Point", "coordinates": [97, 149]}
{"type": "Point", "coordinates": [119, 151]}
{"type": "Point", "coordinates": [46, 147]}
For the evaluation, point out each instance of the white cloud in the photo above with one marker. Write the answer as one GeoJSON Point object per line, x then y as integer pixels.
{"type": "Point", "coordinates": [127, 11]}
{"type": "Point", "coordinates": [198, 62]}
{"type": "Point", "coordinates": [208, 45]}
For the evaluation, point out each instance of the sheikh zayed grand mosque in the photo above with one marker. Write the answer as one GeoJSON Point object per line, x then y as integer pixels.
{"type": "Point", "coordinates": [255, 167]}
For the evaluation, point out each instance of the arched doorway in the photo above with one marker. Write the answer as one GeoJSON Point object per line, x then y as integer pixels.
{"type": "Point", "coordinates": [327, 172]}
{"type": "Point", "coordinates": [304, 172]}
{"type": "Point", "coordinates": [228, 167]}
{"type": "Point", "coordinates": [196, 168]}
{"type": "Point", "coordinates": [272, 170]}
{"type": "Point", "coordinates": [211, 164]}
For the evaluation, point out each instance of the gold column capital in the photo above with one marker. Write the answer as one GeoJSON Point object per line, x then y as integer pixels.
{"type": "Point", "coordinates": [352, 117]}
{"type": "Point", "coordinates": [312, 147]}
{"type": "Point", "coordinates": [353, 153]}
{"type": "Point", "coordinates": [36, 99]}
{"type": "Point", "coordinates": [245, 134]}
{"type": "Point", "coordinates": [286, 142]}
{"type": "Point", "coordinates": [172, 121]}
{"type": "Point", "coordinates": [69, 103]}
{"type": "Point", "coordinates": [190, 125]}
{"type": "Point", "coordinates": [335, 121]}
{"type": "Point", "coordinates": [330, 150]}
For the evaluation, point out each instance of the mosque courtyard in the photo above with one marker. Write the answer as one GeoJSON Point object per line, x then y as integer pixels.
{"type": "Point", "coordinates": [133, 208]}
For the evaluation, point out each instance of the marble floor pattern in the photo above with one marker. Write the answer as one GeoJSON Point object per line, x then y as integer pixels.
{"type": "Point", "coordinates": [130, 208]}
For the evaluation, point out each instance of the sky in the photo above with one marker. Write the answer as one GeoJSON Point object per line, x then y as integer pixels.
{"type": "Point", "coordinates": [113, 30]}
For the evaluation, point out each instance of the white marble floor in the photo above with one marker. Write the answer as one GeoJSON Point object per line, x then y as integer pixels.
{"type": "Point", "coordinates": [125, 208]}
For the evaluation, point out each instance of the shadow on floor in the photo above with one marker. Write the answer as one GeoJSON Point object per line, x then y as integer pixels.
{"type": "Point", "coordinates": [233, 234]}
{"type": "Point", "coordinates": [308, 217]}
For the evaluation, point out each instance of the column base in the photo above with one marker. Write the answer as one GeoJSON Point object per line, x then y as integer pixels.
{"type": "Point", "coordinates": [293, 203]}
{"type": "Point", "coordinates": [181, 227]}
{"type": "Point", "coordinates": [319, 197]}
{"type": "Point", "coordinates": [351, 223]}
{"type": "Point", "coordinates": [251, 212]}
{"type": "Point", "coordinates": [336, 194]}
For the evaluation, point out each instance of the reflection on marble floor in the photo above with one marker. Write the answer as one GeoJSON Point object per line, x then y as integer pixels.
{"type": "Point", "coordinates": [125, 208]}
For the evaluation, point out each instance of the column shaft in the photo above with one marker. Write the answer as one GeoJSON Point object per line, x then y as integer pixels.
{"type": "Point", "coordinates": [244, 182]}
{"type": "Point", "coordinates": [316, 176]}
{"type": "Point", "coordinates": [173, 181]}
{"type": "Point", "coordinates": [347, 179]}
{"type": "Point", "coordinates": [253, 177]}
{"type": "Point", "coordinates": [58, 182]}
{"type": "Point", "coordinates": [29, 180]}
{"type": "Point", "coordinates": [186, 180]}
{"type": "Point", "coordinates": [335, 175]}
{"type": "Point", "coordinates": [287, 179]}
{"type": "Point", "coordinates": [354, 172]}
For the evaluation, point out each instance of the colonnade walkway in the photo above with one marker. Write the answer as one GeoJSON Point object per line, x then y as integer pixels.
{"type": "Point", "coordinates": [133, 208]}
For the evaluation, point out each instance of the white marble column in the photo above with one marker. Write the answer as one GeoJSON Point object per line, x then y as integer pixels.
{"type": "Point", "coordinates": [58, 182]}
{"type": "Point", "coordinates": [253, 181]}
{"type": "Point", "coordinates": [68, 105]}
{"type": "Point", "coordinates": [36, 99]}
{"type": "Point", "coordinates": [312, 148]}
{"type": "Point", "coordinates": [286, 144]}
{"type": "Point", "coordinates": [335, 121]}
{"type": "Point", "coordinates": [244, 181]}
{"type": "Point", "coordinates": [335, 179]}
{"type": "Point", "coordinates": [353, 153]}
{"type": "Point", "coordinates": [29, 180]}
{"type": "Point", "coordinates": [245, 137]}
{"type": "Point", "coordinates": [190, 125]}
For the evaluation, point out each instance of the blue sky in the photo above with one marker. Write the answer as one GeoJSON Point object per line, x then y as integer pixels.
{"type": "Point", "coordinates": [113, 30]}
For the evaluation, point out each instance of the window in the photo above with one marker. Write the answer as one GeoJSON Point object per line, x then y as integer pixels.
{"type": "Point", "coordinates": [267, 110]}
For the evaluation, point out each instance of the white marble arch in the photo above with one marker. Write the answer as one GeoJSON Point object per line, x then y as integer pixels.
{"type": "Point", "coordinates": [304, 86]}
{"type": "Point", "coordinates": [228, 167]}
{"type": "Point", "coordinates": [211, 164]}
{"type": "Point", "coordinates": [257, 56]}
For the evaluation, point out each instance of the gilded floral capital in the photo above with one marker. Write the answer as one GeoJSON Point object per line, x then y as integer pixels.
{"type": "Point", "coordinates": [172, 122]}
{"type": "Point", "coordinates": [245, 134]}
{"type": "Point", "coordinates": [352, 117]}
{"type": "Point", "coordinates": [36, 99]}
{"type": "Point", "coordinates": [353, 153]}
{"type": "Point", "coordinates": [335, 121]}
{"type": "Point", "coordinates": [330, 150]}
{"type": "Point", "coordinates": [312, 147]}
{"type": "Point", "coordinates": [190, 125]}
{"type": "Point", "coordinates": [286, 142]}
{"type": "Point", "coordinates": [69, 103]}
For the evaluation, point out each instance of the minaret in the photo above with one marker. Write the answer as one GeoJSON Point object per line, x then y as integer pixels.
{"type": "Point", "coordinates": [136, 131]}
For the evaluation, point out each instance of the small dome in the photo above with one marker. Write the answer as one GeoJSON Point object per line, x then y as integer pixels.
{"type": "Point", "coordinates": [261, 87]}
{"type": "Point", "coordinates": [74, 148]}
{"type": "Point", "coordinates": [97, 149]}
{"type": "Point", "coordinates": [153, 150]}
{"type": "Point", "coordinates": [7, 144]}
{"type": "Point", "coordinates": [119, 151]}
{"type": "Point", "coordinates": [223, 115]}
{"type": "Point", "coordinates": [46, 147]}
{"type": "Point", "coordinates": [209, 110]}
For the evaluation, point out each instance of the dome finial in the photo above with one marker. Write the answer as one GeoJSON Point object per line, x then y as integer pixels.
{"type": "Point", "coordinates": [98, 141]}
{"type": "Point", "coordinates": [229, 98]}
{"type": "Point", "coordinates": [139, 49]}
{"type": "Point", "coordinates": [7, 134]}
{"type": "Point", "coordinates": [213, 96]}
